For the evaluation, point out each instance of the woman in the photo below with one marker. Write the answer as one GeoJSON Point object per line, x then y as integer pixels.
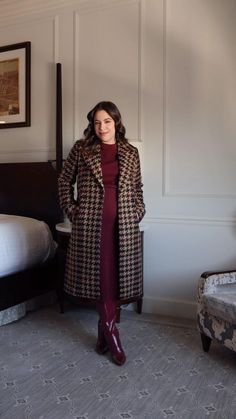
{"type": "Point", "coordinates": [104, 253]}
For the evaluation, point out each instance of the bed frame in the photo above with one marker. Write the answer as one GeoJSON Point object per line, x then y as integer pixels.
{"type": "Point", "coordinates": [30, 190]}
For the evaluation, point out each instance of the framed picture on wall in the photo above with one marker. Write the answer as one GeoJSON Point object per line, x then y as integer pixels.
{"type": "Point", "coordinates": [15, 85]}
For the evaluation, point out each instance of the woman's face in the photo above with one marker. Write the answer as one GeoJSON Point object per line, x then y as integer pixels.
{"type": "Point", "coordinates": [104, 127]}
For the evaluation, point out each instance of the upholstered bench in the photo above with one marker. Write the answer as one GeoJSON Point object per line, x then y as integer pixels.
{"type": "Point", "coordinates": [216, 308]}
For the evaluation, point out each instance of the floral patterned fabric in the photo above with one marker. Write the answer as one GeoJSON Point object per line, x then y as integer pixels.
{"type": "Point", "coordinates": [216, 307]}
{"type": "Point", "coordinates": [18, 311]}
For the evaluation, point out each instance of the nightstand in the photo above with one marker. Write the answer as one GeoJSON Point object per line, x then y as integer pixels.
{"type": "Point", "coordinates": [63, 235]}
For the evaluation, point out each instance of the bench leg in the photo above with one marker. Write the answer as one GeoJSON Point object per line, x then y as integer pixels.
{"type": "Point", "coordinates": [206, 342]}
{"type": "Point", "coordinates": [139, 306]}
{"type": "Point", "coordinates": [118, 310]}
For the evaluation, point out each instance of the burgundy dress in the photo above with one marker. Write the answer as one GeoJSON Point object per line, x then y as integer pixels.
{"type": "Point", "coordinates": [109, 237]}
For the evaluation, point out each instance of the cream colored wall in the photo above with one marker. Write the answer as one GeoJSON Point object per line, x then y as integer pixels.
{"type": "Point", "coordinates": [170, 67]}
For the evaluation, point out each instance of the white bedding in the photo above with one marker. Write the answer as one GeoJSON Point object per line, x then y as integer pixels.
{"type": "Point", "coordinates": [24, 242]}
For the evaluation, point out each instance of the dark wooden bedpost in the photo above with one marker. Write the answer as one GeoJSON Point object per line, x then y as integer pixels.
{"type": "Point", "coordinates": [59, 157]}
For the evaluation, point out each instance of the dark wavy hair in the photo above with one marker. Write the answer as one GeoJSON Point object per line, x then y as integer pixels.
{"type": "Point", "coordinates": [90, 138]}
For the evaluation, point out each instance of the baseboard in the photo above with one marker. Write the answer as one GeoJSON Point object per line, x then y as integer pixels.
{"type": "Point", "coordinates": [168, 307]}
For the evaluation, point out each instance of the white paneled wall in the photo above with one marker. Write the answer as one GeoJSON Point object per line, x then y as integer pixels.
{"type": "Point", "coordinates": [108, 61]}
{"type": "Point", "coordinates": [200, 127]}
{"type": "Point", "coordinates": [170, 67]}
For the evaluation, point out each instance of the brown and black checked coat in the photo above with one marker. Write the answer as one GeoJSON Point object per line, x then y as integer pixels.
{"type": "Point", "coordinates": [82, 275]}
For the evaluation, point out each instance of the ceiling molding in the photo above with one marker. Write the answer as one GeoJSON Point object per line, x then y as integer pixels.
{"type": "Point", "coordinates": [13, 11]}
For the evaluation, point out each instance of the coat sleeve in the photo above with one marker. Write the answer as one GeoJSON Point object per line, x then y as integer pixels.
{"type": "Point", "coordinates": [140, 206]}
{"type": "Point", "coordinates": [66, 183]}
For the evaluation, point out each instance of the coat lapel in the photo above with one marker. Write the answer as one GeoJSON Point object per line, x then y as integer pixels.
{"type": "Point", "coordinates": [124, 164]}
{"type": "Point", "coordinates": [94, 163]}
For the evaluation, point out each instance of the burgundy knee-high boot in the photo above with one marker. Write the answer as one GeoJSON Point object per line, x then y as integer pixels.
{"type": "Point", "coordinates": [101, 346]}
{"type": "Point", "coordinates": [107, 311]}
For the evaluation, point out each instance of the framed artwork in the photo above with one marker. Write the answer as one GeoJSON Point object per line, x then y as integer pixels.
{"type": "Point", "coordinates": [15, 85]}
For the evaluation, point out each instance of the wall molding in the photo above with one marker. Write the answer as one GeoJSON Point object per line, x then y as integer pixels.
{"type": "Point", "coordinates": [75, 79]}
{"type": "Point", "coordinates": [28, 155]}
{"type": "Point", "coordinates": [14, 10]}
{"type": "Point", "coordinates": [29, 150]}
{"type": "Point", "coordinates": [32, 21]}
{"type": "Point", "coordinates": [211, 222]}
{"type": "Point", "coordinates": [164, 158]}
{"type": "Point", "coordinates": [190, 195]}
{"type": "Point", "coordinates": [29, 18]}
{"type": "Point", "coordinates": [168, 307]}
{"type": "Point", "coordinates": [56, 38]}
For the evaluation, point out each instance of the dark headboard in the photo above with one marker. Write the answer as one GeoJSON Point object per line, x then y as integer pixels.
{"type": "Point", "coordinates": [30, 190]}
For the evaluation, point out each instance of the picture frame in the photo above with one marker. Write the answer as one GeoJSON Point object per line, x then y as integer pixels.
{"type": "Point", "coordinates": [15, 85]}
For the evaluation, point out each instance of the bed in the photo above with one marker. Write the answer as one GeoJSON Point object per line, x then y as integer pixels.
{"type": "Point", "coordinates": [28, 190]}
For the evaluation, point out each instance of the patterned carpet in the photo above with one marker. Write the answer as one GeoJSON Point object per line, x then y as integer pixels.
{"type": "Point", "coordinates": [49, 370]}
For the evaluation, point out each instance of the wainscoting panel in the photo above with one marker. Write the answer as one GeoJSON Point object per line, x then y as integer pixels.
{"type": "Point", "coordinates": [176, 252]}
{"type": "Point", "coordinates": [200, 99]}
{"type": "Point", "coordinates": [108, 62]}
{"type": "Point", "coordinates": [40, 136]}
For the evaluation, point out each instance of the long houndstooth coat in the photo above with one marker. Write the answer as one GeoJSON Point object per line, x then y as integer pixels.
{"type": "Point", "coordinates": [82, 275]}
